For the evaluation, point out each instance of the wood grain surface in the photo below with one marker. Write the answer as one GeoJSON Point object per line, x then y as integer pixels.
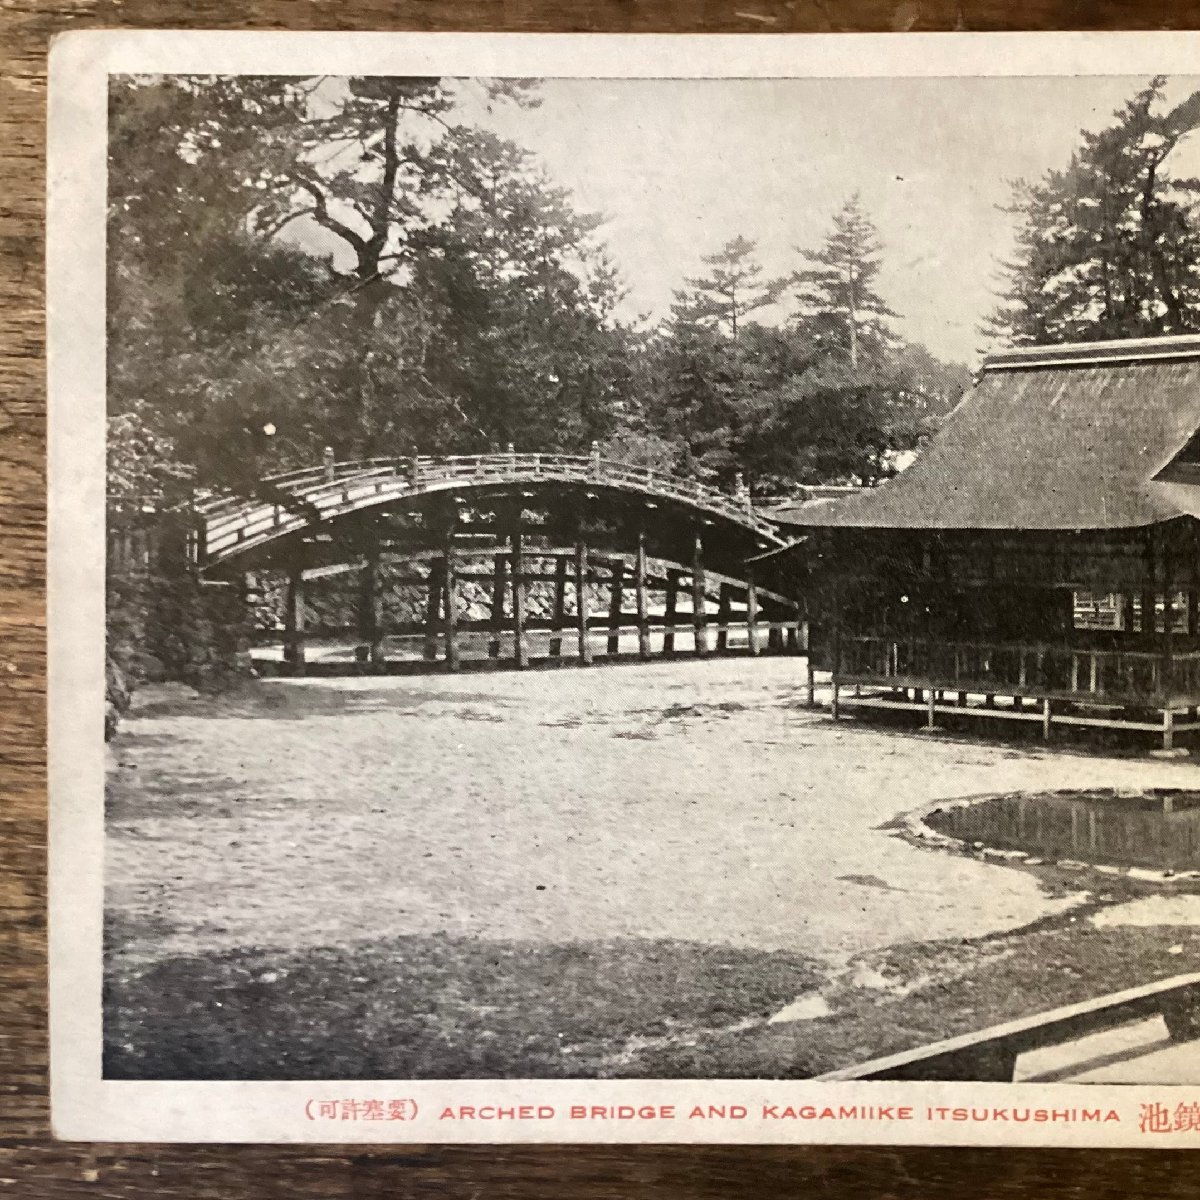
{"type": "Point", "coordinates": [31, 1165]}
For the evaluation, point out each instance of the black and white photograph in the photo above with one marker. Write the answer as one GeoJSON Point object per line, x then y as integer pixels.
{"type": "Point", "coordinates": [655, 579]}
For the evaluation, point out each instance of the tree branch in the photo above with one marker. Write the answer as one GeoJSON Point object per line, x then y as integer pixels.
{"type": "Point", "coordinates": [271, 230]}
{"type": "Point", "coordinates": [323, 217]}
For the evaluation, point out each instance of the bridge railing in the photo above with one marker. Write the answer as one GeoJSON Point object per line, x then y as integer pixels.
{"type": "Point", "coordinates": [423, 467]}
{"type": "Point", "coordinates": [222, 516]}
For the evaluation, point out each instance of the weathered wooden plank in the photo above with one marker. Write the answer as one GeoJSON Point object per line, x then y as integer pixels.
{"type": "Point", "coordinates": [990, 1054]}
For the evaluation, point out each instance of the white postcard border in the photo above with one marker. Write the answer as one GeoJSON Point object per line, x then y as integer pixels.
{"type": "Point", "coordinates": [87, 1107]}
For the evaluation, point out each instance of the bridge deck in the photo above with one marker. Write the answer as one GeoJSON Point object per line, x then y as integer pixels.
{"type": "Point", "coordinates": [231, 525]}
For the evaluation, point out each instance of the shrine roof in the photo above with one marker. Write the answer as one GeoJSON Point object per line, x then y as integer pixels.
{"type": "Point", "coordinates": [1080, 436]}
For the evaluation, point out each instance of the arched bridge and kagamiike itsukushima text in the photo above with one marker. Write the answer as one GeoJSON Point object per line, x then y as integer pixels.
{"type": "Point", "coordinates": [369, 565]}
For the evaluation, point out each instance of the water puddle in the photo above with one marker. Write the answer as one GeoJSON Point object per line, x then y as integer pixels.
{"type": "Point", "coordinates": [1156, 828]}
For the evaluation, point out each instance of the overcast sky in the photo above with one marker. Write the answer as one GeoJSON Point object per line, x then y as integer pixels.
{"type": "Point", "coordinates": [680, 167]}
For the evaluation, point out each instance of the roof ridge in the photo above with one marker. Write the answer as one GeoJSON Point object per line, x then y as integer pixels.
{"type": "Point", "coordinates": [1150, 349]}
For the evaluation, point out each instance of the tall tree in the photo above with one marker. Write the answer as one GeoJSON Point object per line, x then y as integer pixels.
{"type": "Point", "coordinates": [527, 340]}
{"type": "Point", "coordinates": [698, 385]}
{"type": "Point", "coordinates": [1109, 247]}
{"type": "Point", "coordinates": [817, 419]}
{"type": "Point", "coordinates": [462, 300]}
{"type": "Point", "coordinates": [836, 298]}
{"type": "Point", "coordinates": [357, 165]}
{"type": "Point", "coordinates": [731, 291]}
{"type": "Point", "coordinates": [194, 298]}
{"type": "Point", "coordinates": [371, 165]}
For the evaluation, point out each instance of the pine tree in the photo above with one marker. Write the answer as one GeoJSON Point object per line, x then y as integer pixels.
{"type": "Point", "coordinates": [467, 302]}
{"type": "Point", "coordinates": [527, 339]}
{"type": "Point", "coordinates": [733, 289]}
{"type": "Point", "coordinates": [1109, 247]}
{"type": "Point", "coordinates": [836, 297]}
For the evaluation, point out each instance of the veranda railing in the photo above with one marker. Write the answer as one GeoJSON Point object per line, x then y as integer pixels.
{"type": "Point", "coordinates": [1040, 670]}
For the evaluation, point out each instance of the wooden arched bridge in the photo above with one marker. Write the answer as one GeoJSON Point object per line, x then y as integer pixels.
{"type": "Point", "coordinates": [233, 525]}
{"type": "Point", "coordinates": [361, 565]}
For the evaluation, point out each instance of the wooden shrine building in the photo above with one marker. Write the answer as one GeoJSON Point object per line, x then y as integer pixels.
{"type": "Point", "coordinates": [967, 584]}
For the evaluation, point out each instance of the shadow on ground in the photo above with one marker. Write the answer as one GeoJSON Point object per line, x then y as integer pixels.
{"type": "Point", "coordinates": [449, 1008]}
{"type": "Point", "coordinates": [435, 1008]}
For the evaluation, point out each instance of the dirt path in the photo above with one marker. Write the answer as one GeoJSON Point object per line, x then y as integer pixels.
{"type": "Point", "coordinates": [665, 805]}
{"type": "Point", "coordinates": [696, 801]}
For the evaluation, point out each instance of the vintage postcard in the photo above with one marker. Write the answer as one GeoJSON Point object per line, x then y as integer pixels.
{"type": "Point", "coordinates": [625, 589]}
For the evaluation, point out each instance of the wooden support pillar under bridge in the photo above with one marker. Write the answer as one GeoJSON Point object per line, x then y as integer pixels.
{"type": "Point", "coordinates": [751, 613]}
{"type": "Point", "coordinates": [464, 598]}
{"type": "Point", "coordinates": [559, 617]}
{"type": "Point", "coordinates": [670, 611]}
{"type": "Point", "coordinates": [369, 630]}
{"type": "Point", "coordinates": [643, 600]}
{"type": "Point", "coordinates": [699, 598]}
{"type": "Point", "coordinates": [724, 611]}
{"type": "Point", "coordinates": [775, 641]}
{"type": "Point", "coordinates": [450, 597]}
{"type": "Point", "coordinates": [293, 615]}
{"type": "Point", "coordinates": [615, 603]}
{"type": "Point", "coordinates": [433, 605]}
{"type": "Point", "coordinates": [499, 571]}
{"type": "Point", "coordinates": [582, 603]}
{"type": "Point", "coordinates": [520, 646]}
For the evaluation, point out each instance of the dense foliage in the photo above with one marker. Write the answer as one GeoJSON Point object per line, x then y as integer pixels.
{"type": "Point", "coordinates": [1109, 247]}
{"type": "Point", "coordinates": [827, 393]}
{"type": "Point", "coordinates": [310, 262]}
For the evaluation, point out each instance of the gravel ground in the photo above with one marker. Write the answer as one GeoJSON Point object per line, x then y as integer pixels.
{"type": "Point", "coordinates": [657, 826]}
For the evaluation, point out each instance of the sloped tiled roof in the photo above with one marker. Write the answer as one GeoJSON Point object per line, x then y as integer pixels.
{"type": "Point", "coordinates": [1051, 437]}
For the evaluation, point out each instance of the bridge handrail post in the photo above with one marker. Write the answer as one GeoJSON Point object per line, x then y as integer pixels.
{"type": "Point", "coordinates": [198, 539]}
